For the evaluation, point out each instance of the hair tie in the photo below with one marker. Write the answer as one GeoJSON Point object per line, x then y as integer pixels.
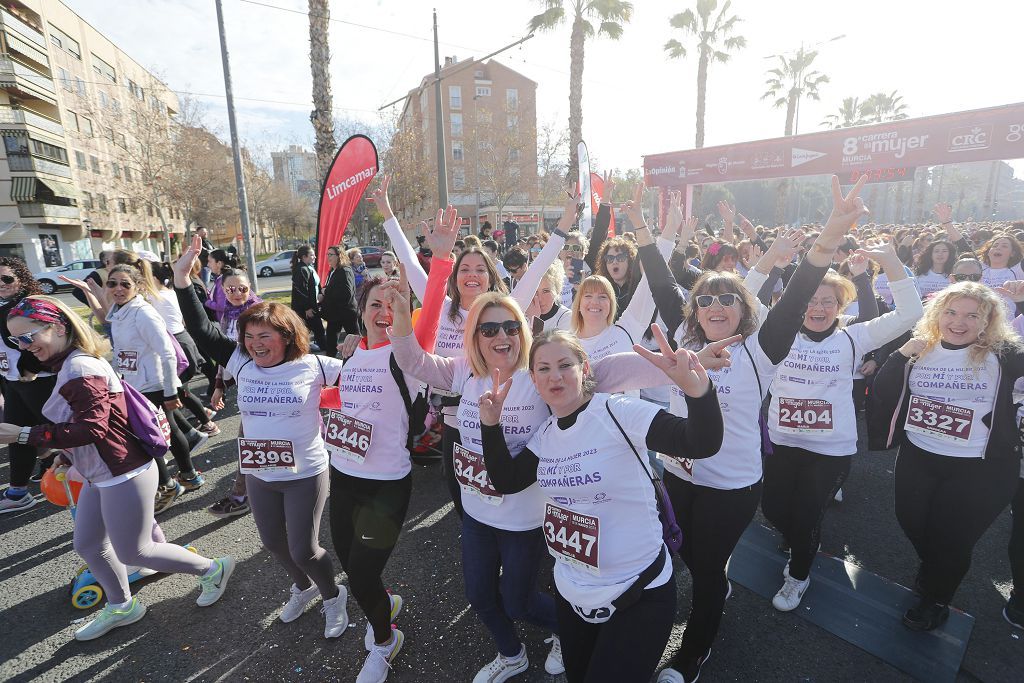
{"type": "Point", "coordinates": [714, 248]}
{"type": "Point", "coordinates": [37, 309]}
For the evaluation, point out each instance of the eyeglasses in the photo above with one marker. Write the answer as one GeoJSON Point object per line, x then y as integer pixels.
{"type": "Point", "coordinates": [8, 279]}
{"type": "Point", "coordinates": [27, 338]}
{"type": "Point", "coordinates": [489, 330]}
{"type": "Point", "coordinates": [615, 258]}
{"type": "Point", "coordinates": [126, 284]}
{"type": "Point", "coordinates": [962, 277]}
{"type": "Point", "coordinates": [574, 248]}
{"type": "Point", "coordinates": [824, 303]}
{"type": "Point", "coordinates": [237, 290]}
{"type": "Point", "coordinates": [725, 300]}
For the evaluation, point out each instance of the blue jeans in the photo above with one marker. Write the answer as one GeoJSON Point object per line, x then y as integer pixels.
{"type": "Point", "coordinates": [500, 569]}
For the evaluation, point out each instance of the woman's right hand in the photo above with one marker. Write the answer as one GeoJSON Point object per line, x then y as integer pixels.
{"type": "Point", "coordinates": [491, 402]}
{"type": "Point", "coordinates": [681, 366]}
{"type": "Point", "coordinates": [397, 295]}
{"type": "Point", "coordinates": [217, 399]}
{"type": "Point", "coordinates": [379, 197]}
{"type": "Point", "coordinates": [912, 348]}
{"type": "Point", "coordinates": [183, 266]}
{"type": "Point", "coordinates": [441, 238]}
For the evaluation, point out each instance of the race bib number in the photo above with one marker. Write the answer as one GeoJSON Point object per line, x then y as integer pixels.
{"type": "Point", "coordinates": [472, 475]}
{"type": "Point", "coordinates": [805, 415]}
{"type": "Point", "coordinates": [265, 455]}
{"type": "Point", "coordinates": [127, 362]}
{"type": "Point", "coordinates": [939, 420]}
{"type": "Point", "coordinates": [572, 537]}
{"type": "Point", "coordinates": [5, 363]}
{"type": "Point", "coordinates": [348, 437]}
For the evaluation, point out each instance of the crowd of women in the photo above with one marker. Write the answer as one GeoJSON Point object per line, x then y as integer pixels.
{"type": "Point", "coordinates": [596, 395]}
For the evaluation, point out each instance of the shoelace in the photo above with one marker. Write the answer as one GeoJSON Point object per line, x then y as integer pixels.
{"type": "Point", "coordinates": [556, 645]}
{"type": "Point", "coordinates": [379, 650]}
{"type": "Point", "coordinates": [209, 583]}
{"type": "Point", "coordinates": [790, 588]}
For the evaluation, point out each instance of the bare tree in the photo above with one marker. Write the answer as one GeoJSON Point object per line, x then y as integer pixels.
{"type": "Point", "coordinates": [498, 152]}
{"type": "Point", "coordinates": [552, 143]}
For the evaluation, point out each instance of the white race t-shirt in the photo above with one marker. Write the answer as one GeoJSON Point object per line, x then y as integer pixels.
{"type": "Point", "coordinates": [997, 277]}
{"type": "Point", "coordinates": [561, 320]}
{"type": "Point", "coordinates": [601, 520]}
{"type": "Point", "coordinates": [932, 282]}
{"type": "Point", "coordinates": [883, 289]}
{"type": "Point", "coordinates": [282, 403]}
{"type": "Point", "coordinates": [948, 399]}
{"type": "Point", "coordinates": [614, 339]}
{"type": "Point", "coordinates": [523, 413]}
{"type": "Point", "coordinates": [166, 304]}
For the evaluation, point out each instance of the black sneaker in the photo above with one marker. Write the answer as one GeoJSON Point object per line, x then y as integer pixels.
{"type": "Point", "coordinates": [37, 473]}
{"type": "Point", "coordinates": [229, 507]}
{"type": "Point", "coordinates": [1013, 613]}
{"type": "Point", "coordinates": [927, 616]}
{"type": "Point", "coordinates": [691, 668]}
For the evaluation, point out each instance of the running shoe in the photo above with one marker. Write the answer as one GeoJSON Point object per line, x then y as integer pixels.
{"type": "Point", "coordinates": [335, 614]}
{"type": "Point", "coordinates": [503, 668]}
{"type": "Point", "coordinates": [297, 602]}
{"type": "Point", "coordinates": [378, 662]}
{"type": "Point", "coordinates": [110, 618]}
{"type": "Point", "coordinates": [191, 483]}
{"type": "Point", "coordinates": [1012, 612]}
{"type": "Point", "coordinates": [8, 504]}
{"type": "Point", "coordinates": [792, 592]}
{"type": "Point", "coordinates": [213, 585]}
{"type": "Point", "coordinates": [197, 444]}
{"type": "Point", "coordinates": [166, 495]}
{"type": "Point", "coordinates": [553, 663]}
{"type": "Point", "coordinates": [396, 608]}
{"type": "Point", "coordinates": [688, 672]}
{"type": "Point", "coordinates": [928, 615]}
{"type": "Point", "coordinates": [210, 429]}
{"type": "Point", "coordinates": [229, 507]}
{"type": "Point", "coordinates": [40, 470]}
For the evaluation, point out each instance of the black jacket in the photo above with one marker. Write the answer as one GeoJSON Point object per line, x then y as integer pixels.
{"type": "Point", "coordinates": [339, 303]}
{"type": "Point", "coordinates": [891, 395]}
{"type": "Point", "coordinates": [304, 290]}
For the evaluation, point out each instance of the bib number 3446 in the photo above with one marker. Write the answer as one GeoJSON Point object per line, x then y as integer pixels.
{"type": "Point", "coordinates": [348, 437]}
{"type": "Point", "coordinates": [471, 474]}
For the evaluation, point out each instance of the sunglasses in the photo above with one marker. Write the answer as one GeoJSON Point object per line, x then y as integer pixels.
{"type": "Point", "coordinates": [725, 300]}
{"type": "Point", "coordinates": [126, 284]}
{"type": "Point", "coordinates": [27, 338]}
{"type": "Point", "coordinates": [615, 258]}
{"type": "Point", "coordinates": [963, 277]}
{"type": "Point", "coordinates": [574, 248]}
{"type": "Point", "coordinates": [8, 279]}
{"type": "Point", "coordinates": [237, 290]}
{"type": "Point", "coordinates": [489, 330]}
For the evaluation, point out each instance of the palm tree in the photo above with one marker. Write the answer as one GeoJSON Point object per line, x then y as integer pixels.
{"type": "Point", "coordinates": [851, 113]}
{"type": "Point", "coordinates": [710, 34]}
{"type": "Point", "coordinates": [322, 117]}
{"type": "Point", "coordinates": [611, 14]}
{"type": "Point", "coordinates": [791, 81]}
{"type": "Point", "coordinates": [882, 107]}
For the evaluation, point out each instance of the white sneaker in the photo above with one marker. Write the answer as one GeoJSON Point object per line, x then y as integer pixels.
{"type": "Point", "coordinates": [396, 608]}
{"type": "Point", "coordinates": [378, 662]}
{"type": "Point", "coordinates": [503, 668]}
{"type": "Point", "coordinates": [553, 664]}
{"type": "Point", "coordinates": [204, 439]}
{"type": "Point", "coordinates": [12, 505]}
{"type": "Point", "coordinates": [839, 496]}
{"type": "Point", "coordinates": [297, 602]}
{"type": "Point", "coordinates": [670, 676]}
{"type": "Point", "coordinates": [792, 592]}
{"type": "Point", "coordinates": [336, 614]}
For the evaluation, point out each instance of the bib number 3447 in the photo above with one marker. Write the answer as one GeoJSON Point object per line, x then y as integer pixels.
{"type": "Point", "coordinates": [265, 455]}
{"type": "Point", "coordinates": [572, 537]}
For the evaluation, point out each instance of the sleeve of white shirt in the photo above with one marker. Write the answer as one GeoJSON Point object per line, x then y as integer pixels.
{"type": "Point", "coordinates": [641, 308]}
{"type": "Point", "coordinates": [526, 288]}
{"type": "Point", "coordinates": [151, 328]}
{"type": "Point", "coordinates": [879, 331]}
{"type": "Point", "coordinates": [753, 282]}
{"type": "Point", "coordinates": [407, 255]}
{"type": "Point", "coordinates": [332, 368]}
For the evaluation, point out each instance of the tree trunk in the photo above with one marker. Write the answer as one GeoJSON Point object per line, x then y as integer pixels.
{"type": "Point", "coordinates": [322, 116]}
{"type": "Point", "coordinates": [702, 89]}
{"type": "Point", "coordinates": [791, 111]}
{"type": "Point", "coordinates": [575, 96]}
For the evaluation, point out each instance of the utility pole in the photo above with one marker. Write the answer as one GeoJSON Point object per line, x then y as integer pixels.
{"type": "Point", "coordinates": [442, 161]}
{"type": "Point", "coordinates": [236, 152]}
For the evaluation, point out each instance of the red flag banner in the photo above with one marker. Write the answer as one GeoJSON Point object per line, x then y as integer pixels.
{"type": "Point", "coordinates": [597, 191]}
{"type": "Point", "coordinates": [353, 168]}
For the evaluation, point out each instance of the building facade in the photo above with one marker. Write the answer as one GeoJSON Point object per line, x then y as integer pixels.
{"type": "Point", "coordinates": [296, 168]}
{"type": "Point", "coordinates": [70, 183]}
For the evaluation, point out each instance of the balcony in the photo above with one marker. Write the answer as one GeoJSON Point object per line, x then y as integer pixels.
{"type": "Point", "coordinates": [18, 26]}
{"type": "Point", "coordinates": [24, 117]}
{"type": "Point", "coordinates": [23, 164]}
{"type": "Point", "coordinates": [26, 81]}
{"type": "Point", "coordinates": [50, 213]}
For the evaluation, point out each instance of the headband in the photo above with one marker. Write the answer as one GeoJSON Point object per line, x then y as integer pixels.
{"type": "Point", "coordinates": [38, 309]}
{"type": "Point", "coordinates": [713, 249]}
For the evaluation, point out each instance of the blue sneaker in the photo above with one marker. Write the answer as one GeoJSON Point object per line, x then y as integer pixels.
{"type": "Point", "coordinates": [214, 584]}
{"type": "Point", "coordinates": [110, 618]}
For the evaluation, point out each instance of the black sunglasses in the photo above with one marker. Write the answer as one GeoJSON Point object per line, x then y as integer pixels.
{"type": "Point", "coordinates": [961, 277]}
{"type": "Point", "coordinates": [8, 279]}
{"type": "Point", "coordinates": [489, 330]}
{"type": "Point", "coordinates": [126, 284]}
{"type": "Point", "coordinates": [706, 300]}
{"type": "Point", "coordinates": [615, 258]}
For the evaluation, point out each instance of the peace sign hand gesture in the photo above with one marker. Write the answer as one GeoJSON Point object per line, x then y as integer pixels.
{"type": "Point", "coordinates": [715, 355]}
{"type": "Point", "coordinates": [491, 402]}
{"type": "Point", "coordinates": [682, 366]}
{"type": "Point", "coordinates": [379, 197]}
{"type": "Point", "coordinates": [845, 210]}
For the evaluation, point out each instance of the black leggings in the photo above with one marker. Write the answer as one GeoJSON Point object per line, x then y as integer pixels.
{"type": "Point", "coordinates": [449, 437]}
{"type": "Point", "coordinates": [1016, 548]}
{"type": "Point", "coordinates": [712, 521]}
{"type": "Point", "coordinates": [366, 519]}
{"type": "Point", "coordinates": [179, 442]}
{"type": "Point", "coordinates": [627, 647]}
{"type": "Point", "coordinates": [944, 504]}
{"type": "Point", "coordinates": [798, 487]}
{"type": "Point", "coordinates": [334, 328]}
{"type": "Point", "coordinates": [23, 406]}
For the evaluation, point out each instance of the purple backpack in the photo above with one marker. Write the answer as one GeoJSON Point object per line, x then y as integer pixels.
{"type": "Point", "coordinates": [146, 422]}
{"type": "Point", "coordinates": [179, 354]}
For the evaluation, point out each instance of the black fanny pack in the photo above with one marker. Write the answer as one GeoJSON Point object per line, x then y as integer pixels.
{"type": "Point", "coordinates": [633, 593]}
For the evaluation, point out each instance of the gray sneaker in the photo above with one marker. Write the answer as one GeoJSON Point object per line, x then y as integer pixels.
{"type": "Point", "coordinates": [213, 585]}
{"type": "Point", "coordinates": [13, 505]}
{"type": "Point", "coordinates": [166, 495]}
{"type": "Point", "coordinates": [110, 618]}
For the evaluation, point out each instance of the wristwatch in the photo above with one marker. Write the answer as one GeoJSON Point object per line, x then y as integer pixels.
{"type": "Point", "coordinates": [23, 435]}
{"type": "Point", "coordinates": [560, 233]}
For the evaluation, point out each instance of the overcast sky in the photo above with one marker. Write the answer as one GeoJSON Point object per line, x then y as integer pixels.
{"type": "Point", "coordinates": [962, 56]}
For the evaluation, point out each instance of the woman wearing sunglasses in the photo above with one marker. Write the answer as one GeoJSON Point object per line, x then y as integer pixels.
{"type": "Point", "coordinates": [338, 300]}
{"type": "Point", "coordinates": [966, 269]}
{"type": "Point", "coordinates": [88, 420]}
{"type": "Point", "coordinates": [715, 498]}
{"type": "Point", "coordinates": [616, 592]}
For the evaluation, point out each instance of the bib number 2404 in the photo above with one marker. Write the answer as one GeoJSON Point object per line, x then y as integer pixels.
{"type": "Point", "coordinates": [803, 415]}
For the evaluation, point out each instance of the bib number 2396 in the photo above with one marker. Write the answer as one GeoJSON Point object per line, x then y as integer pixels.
{"type": "Point", "coordinates": [803, 415]}
{"type": "Point", "coordinates": [939, 420]}
{"type": "Point", "coordinates": [265, 455]}
{"type": "Point", "coordinates": [472, 475]}
{"type": "Point", "coordinates": [348, 437]}
{"type": "Point", "coordinates": [572, 537]}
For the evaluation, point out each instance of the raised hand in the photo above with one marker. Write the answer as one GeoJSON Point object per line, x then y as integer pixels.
{"type": "Point", "coordinates": [715, 355]}
{"type": "Point", "coordinates": [780, 253]}
{"type": "Point", "coordinates": [674, 218]}
{"type": "Point", "coordinates": [728, 213]}
{"type": "Point", "coordinates": [609, 188]}
{"type": "Point", "coordinates": [747, 227]}
{"type": "Point", "coordinates": [183, 266]}
{"type": "Point", "coordinates": [634, 208]}
{"type": "Point", "coordinates": [944, 212]}
{"type": "Point", "coordinates": [681, 366]}
{"type": "Point", "coordinates": [491, 402]}
{"type": "Point", "coordinates": [858, 264]}
{"type": "Point", "coordinates": [396, 293]}
{"type": "Point", "coordinates": [379, 197]}
{"type": "Point", "coordinates": [441, 238]}
{"type": "Point", "coordinates": [1013, 289]}
{"type": "Point", "coordinates": [571, 209]}
{"type": "Point", "coordinates": [881, 253]}
{"type": "Point", "coordinates": [845, 210]}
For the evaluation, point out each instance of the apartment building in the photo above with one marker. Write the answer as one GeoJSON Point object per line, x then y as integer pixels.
{"type": "Point", "coordinates": [296, 168]}
{"type": "Point", "coordinates": [489, 115]}
{"type": "Point", "coordinates": [69, 103]}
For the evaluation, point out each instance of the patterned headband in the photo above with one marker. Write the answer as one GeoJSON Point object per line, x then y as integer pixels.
{"type": "Point", "coordinates": [38, 309]}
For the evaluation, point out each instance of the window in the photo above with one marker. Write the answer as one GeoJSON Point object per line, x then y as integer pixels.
{"type": "Point", "coordinates": [103, 69]}
{"type": "Point", "coordinates": [512, 121]}
{"type": "Point", "coordinates": [115, 170]}
{"type": "Point", "coordinates": [512, 99]}
{"type": "Point", "coordinates": [80, 160]}
{"type": "Point", "coordinates": [72, 120]}
{"type": "Point", "coordinates": [95, 164]}
{"type": "Point", "coordinates": [136, 90]}
{"type": "Point", "coordinates": [47, 150]}
{"type": "Point", "coordinates": [455, 96]}
{"type": "Point", "coordinates": [149, 209]}
{"type": "Point", "coordinates": [87, 200]}
{"type": "Point", "coordinates": [116, 105]}
{"type": "Point", "coordinates": [128, 174]}
{"type": "Point", "coordinates": [120, 140]}
{"type": "Point", "coordinates": [122, 206]}
{"type": "Point", "coordinates": [65, 42]}
{"type": "Point", "coordinates": [456, 125]}
{"type": "Point", "coordinates": [65, 78]}
{"type": "Point", "coordinates": [513, 155]}
{"type": "Point", "coordinates": [459, 178]}
{"type": "Point", "coordinates": [133, 206]}
{"type": "Point", "coordinates": [79, 86]}
{"type": "Point", "coordinates": [104, 100]}
{"type": "Point", "coordinates": [101, 201]}
{"type": "Point", "coordinates": [483, 91]}
{"type": "Point", "coordinates": [87, 126]}
{"type": "Point", "coordinates": [457, 150]}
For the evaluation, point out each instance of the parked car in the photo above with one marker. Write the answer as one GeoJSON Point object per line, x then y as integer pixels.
{"type": "Point", "coordinates": [48, 279]}
{"type": "Point", "coordinates": [278, 264]}
{"type": "Point", "coordinates": [371, 256]}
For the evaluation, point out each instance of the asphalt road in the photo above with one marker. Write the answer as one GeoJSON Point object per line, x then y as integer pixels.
{"type": "Point", "coordinates": [240, 638]}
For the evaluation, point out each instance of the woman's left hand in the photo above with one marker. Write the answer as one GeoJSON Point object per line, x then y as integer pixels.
{"type": "Point", "coordinates": [9, 433]}
{"type": "Point", "coordinates": [491, 402]}
{"type": "Point", "coordinates": [172, 404]}
{"type": "Point", "coordinates": [681, 366]}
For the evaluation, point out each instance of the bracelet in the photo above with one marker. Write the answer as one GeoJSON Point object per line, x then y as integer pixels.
{"type": "Point", "coordinates": [641, 227]}
{"type": "Point", "coordinates": [23, 435]}
{"type": "Point", "coordinates": [560, 233]}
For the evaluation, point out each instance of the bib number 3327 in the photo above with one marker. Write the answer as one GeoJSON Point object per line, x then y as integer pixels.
{"type": "Point", "coordinates": [572, 537]}
{"type": "Point", "coordinates": [939, 420]}
{"type": "Point", "coordinates": [265, 455]}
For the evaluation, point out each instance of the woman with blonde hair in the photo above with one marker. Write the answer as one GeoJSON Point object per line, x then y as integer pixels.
{"type": "Point", "coordinates": [946, 399]}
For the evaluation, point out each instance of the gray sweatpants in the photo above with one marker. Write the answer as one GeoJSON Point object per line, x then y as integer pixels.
{"type": "Point", "coordinates": [287, 515]}
{"type": "Point", "coordinates": [114, 527]}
